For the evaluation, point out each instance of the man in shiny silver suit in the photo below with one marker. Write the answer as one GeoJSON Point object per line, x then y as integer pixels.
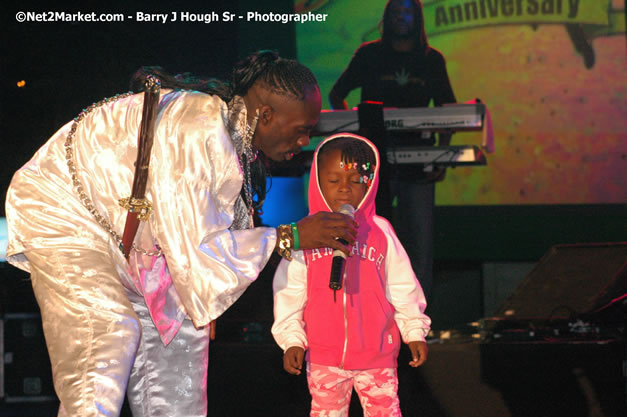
{"type": "Point", "coordinates": [141, 324]}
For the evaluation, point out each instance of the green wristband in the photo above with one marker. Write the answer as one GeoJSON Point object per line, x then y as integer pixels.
{"type": "Point", "coordinates": [295, 234]}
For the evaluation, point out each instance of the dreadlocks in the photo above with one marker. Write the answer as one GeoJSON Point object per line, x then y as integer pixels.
{"type": "Point", "coordinates": [285, 77]}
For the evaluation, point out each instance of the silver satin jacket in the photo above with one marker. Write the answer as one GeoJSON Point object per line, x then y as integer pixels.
{"type": "Point", "coordinates": [195, 181]}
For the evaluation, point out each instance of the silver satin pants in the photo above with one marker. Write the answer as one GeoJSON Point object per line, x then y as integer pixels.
{"type": "Point", "coordinates": [102, 341]}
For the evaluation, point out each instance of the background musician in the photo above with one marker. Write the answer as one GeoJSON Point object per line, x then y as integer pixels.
{"type": "Point", "coordinates": [402, 70]}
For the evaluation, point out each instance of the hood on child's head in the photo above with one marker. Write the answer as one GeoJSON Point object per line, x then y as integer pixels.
{"type": "Point", "coordinates": [369, 175]}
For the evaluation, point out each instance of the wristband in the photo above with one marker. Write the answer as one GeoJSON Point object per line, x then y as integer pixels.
{"type": "Point", "coordinates": [295, 235]}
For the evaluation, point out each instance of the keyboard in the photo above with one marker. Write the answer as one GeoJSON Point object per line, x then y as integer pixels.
{"type": "Point", "coordinates": [450, 117]}
{"type": "Point", "coordinates": [437, 155]}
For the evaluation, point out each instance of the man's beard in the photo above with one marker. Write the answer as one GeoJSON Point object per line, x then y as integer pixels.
{"type": "Point", "coordinates": [403, 36]}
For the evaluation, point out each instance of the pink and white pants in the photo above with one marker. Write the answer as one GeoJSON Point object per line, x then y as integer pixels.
{"type": "Point", "coordinates": [331, 389]}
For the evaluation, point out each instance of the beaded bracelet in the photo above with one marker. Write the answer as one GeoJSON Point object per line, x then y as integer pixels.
{"type": "Point", "coordinates": [295, 235]}
{"type": "Point", "coordinates": [286, 238]}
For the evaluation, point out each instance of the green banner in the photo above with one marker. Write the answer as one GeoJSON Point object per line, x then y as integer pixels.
{"type": "Point", "coordinates": [452, 15]}
{"type": "Point", "coordinates": [615, 27]}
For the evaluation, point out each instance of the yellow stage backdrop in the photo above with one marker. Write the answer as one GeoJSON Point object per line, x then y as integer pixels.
{"type": "Point", "coordinates": [553, 74]}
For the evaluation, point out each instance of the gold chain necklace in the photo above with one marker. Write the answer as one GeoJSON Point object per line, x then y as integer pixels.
{"type": "Point", "coordinates": [250, 158]}
{"type": "Point", "coordinates": [78, 186]}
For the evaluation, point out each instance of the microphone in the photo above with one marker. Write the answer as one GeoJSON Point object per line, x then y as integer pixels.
{"type": "Point", "coordinates": [337, 267]}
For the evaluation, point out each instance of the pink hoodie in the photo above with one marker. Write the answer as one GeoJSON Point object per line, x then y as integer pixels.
{"type": "Point", "coordinates": [358, 328]}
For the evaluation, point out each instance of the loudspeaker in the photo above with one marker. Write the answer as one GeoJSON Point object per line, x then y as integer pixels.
{"type": "Point", "coordinates": [26, 372]}
{"type": "Point", "coordinates": [570, 280]}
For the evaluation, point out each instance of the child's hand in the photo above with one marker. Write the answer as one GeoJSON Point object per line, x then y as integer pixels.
{"type": "Point", "coordinates": [293, 360]}
{"type": "Point", "coordinates": [419, 352]}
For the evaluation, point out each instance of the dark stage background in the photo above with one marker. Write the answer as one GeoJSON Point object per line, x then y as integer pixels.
{"type": "Point", "coordinates": [482, 251]}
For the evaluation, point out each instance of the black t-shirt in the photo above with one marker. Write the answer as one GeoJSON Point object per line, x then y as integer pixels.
{"type": "Point", "coordinates": [398, 79]}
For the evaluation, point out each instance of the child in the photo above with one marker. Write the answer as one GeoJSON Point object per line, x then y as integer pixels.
{"type": "Point", "coordinates": [351, 335]}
